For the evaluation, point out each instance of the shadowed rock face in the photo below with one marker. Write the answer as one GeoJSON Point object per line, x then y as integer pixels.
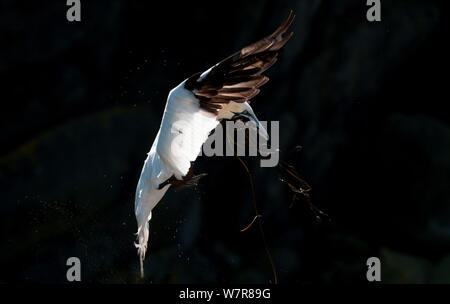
{"type": "Point", "coordinates": [365, 100]}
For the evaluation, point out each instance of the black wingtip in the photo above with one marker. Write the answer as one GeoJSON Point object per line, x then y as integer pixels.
{"type": "Point", "coordinates": [284, 25]}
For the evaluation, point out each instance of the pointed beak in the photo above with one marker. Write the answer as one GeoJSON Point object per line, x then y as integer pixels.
{"type": "Point", "coordinates": [262, 131]}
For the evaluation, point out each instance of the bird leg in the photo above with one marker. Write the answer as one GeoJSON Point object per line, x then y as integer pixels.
{"type": "Point", "coordinates": [188, 181]}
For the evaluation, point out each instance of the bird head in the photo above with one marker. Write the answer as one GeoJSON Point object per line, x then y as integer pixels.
{"type": "Point", "coordinates": [248, 114]}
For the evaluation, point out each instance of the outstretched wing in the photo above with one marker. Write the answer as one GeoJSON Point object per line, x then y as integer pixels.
{"type": "Point", "coordinates": [194, 107]}
{"type": "Point", "coordinates": [238, 77]}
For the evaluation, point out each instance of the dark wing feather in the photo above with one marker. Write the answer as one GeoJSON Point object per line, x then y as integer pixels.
{"type": "Point", "coordinates": [238, 77]}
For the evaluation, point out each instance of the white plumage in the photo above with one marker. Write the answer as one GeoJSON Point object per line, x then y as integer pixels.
{"type": "Point", "coordinates": [193, 109]}
{"type": "Point", "coordinates": [184, 128]}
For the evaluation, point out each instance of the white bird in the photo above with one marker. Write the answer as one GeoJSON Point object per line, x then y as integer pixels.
{"type": "Point", "coordinates": [194, 108]}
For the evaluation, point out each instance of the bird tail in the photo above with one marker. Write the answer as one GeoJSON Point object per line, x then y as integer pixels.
{"type": "Point", "coordinates": [142, 237]}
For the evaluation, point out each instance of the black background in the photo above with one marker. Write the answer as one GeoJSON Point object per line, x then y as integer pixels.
{"type": "Point", "coordinates": [82, 103]}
